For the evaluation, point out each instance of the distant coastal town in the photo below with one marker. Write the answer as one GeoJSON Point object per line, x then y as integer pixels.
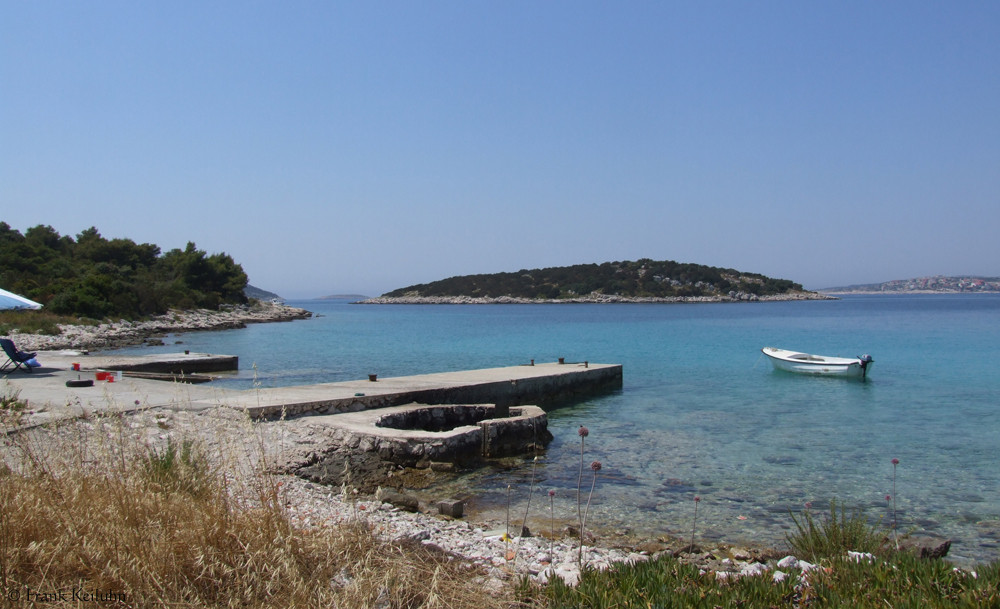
{"type": "Point", "coordinates": [936, 284]}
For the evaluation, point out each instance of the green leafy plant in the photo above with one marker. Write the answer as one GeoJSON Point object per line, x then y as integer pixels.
{"type": "Point", "coordinates": [899, 580]}
{"type": "Point", "coordinates": [666, 582]}
{"type": "Point", "coordinates": [179, 468]}
{"type": "Point", "coordinates": [834, 536]}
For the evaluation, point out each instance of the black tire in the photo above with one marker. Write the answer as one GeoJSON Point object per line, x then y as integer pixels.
{"type": "Point", "coordinates": [80, 383]}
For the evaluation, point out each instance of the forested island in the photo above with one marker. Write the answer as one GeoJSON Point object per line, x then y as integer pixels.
{"type": "Point", "coordinates": [643, 280]}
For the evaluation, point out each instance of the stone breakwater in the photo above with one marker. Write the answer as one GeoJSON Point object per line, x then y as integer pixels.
{"type": "Point", "coordinates": [123, 333]}
{"type": "Point", "coordinates": [597, 299]}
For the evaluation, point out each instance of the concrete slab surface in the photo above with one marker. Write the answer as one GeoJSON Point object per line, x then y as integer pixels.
{"type": "Point", "coordinates": [49, 398]}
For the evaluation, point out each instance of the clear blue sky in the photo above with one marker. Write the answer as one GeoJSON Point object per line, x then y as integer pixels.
{"type": "Point", "coordinates": [335, 147]}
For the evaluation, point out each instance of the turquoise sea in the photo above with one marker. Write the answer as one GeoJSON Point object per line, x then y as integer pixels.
{"type": "Point", "coordinates": [701, 412]}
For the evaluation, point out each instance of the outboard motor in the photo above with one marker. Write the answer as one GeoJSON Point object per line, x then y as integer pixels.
{"type": "Point", "coordinates": [865, 360]}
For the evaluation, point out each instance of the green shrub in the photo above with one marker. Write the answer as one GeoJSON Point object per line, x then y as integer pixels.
{"type": "Point", "coordinates": [179, 469]}
{"type": "Point", "coordinates": [897, 580]}
{"type": "Point", "coordinates": [901, 580]}
{"type": "Point", "coordinates": [833, 536]}
{"type": "Point", "coordinates": [666, 582]}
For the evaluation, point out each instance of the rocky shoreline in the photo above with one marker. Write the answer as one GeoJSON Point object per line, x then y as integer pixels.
{"type": "Point", "coordinates": [123, 333]}
{"type": "Point", "coordinates": [503, 552]}
{"type": "Point", "coordinates": [596, 298]}
{"type": "Point", "coordinates": [253, 453]}
{"type": "Point", "coordinates": [508, 552]}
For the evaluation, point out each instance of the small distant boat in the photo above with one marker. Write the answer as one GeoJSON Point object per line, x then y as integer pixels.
{"type": "Point", "coordinates": [805, 363]}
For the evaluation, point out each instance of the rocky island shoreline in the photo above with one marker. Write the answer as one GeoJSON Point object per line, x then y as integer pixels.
{"type": "Point", "coordinates": [597, 298]}
{"type": "Point", "coordinates": [124, 333]}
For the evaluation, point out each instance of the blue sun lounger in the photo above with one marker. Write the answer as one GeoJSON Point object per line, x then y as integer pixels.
{"type": "Point", "coordinates": [15, 359]}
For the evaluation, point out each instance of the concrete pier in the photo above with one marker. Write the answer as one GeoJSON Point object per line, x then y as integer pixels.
{"type": "Point", "coordinates": [510, 386]}
{"type": "Point", "coordinates": [170, 363]}
{"type": "Point", "coordinates": [366, 428]}
{"type": "Point", "coordinates": [49, 398]}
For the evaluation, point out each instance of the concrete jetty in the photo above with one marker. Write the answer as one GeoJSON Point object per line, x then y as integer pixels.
{"type": "Point", "coordinates": [508, 386]}
{"type": "Point", "coordinates": [49, 397]}
{"type": "Point", "coordinates": [367, 427]}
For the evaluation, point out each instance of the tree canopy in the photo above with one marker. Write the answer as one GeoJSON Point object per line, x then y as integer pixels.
{"type": "Point", "coordinates": [95, 277]}
{"type": "Point", "coordinates": [642, 278]}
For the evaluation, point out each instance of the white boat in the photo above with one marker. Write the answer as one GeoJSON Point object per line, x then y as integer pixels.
{"type": "Point", "coordinates": [793, 361]}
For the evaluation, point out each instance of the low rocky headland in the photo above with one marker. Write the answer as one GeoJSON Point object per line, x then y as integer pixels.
{"type": "Point", "coordinates": [123, 333]}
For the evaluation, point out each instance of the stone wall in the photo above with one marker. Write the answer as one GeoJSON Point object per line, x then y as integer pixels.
{"type": "Point", "coordinates": [411, 445]}
{"type": "Point", "coordinates": [437, 418]}
{"type": "Point", "coordinates": [524, 432]}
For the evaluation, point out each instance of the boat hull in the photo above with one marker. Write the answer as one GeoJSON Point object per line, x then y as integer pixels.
{"type": "Point", "coordinates": [805, 363]}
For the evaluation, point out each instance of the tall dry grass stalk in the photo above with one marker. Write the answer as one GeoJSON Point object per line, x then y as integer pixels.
{"type": "Point", "coordinates": [88, 508]}
{"type": "Point", "coordinates": [583, 432]}
{"type": "Point", "coordinates": [595, 467]}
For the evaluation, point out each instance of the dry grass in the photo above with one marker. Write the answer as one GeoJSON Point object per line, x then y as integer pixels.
{"type": "Point", "coordinates": [88, 513]}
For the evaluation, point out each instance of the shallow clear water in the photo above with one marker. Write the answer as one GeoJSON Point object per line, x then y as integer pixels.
{"type": "Point", "coordinates": [701, 411]}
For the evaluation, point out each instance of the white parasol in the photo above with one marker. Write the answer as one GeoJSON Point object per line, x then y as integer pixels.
{"type": "Point", "coordinates": [10, 300]}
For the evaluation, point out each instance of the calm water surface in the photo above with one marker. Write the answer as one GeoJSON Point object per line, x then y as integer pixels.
{"type": "Point", "coordinates": [701, 412]}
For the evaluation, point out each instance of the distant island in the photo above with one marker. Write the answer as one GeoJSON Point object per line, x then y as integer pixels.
{"type": "Point", "coordinates": [343, 297]}
{"type": "Point", "coordinates": [928, 285]}
{"type": "Point", "coordinates": [643, 280]}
